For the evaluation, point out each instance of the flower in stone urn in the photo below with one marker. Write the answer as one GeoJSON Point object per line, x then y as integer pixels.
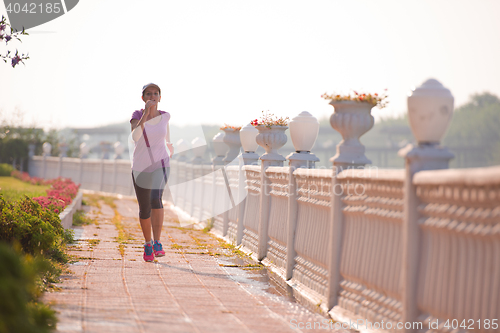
{"type": "Point", "coordinates": [269, 120]}
{"type": "Point", "coordinates": [352, 118]}
{"type": "Point", "coordinates": [271, 135]}
{"type": "Point", "coordinates": [375, 99]}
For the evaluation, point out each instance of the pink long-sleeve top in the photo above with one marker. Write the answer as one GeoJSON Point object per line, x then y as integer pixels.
{"type": "Point", "coordinates": [150, 151]}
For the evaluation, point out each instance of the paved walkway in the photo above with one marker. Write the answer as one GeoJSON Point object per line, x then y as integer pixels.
{"type": "Point", "coordinates": [201, 285]}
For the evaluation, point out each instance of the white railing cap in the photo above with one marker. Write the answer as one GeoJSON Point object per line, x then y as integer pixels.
{"type": "Point", "coordinates": [278, 169]}
{"type": "Point", "coordinates": [373, 174]}
{"type": "Point", "coordinates": [473, 176]}
{"type": "Point", "coordinates": [255, 168]}
{"type": "Point", "coordinates": [315, 173]}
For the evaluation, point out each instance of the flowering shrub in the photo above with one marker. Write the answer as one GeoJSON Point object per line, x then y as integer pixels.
{"type": "Point", "coordinates": [226, 126]}
{"type": "Point", "coordinates": [55, 204]}
{"type": "Point", "coordinates": [38, 230]}
{"type": "Point", "coordinates": [374, 99]}
{"type": "Point", "coordinates": [4, 35]}
{"type": "Point", "coordinates": [269, 120]}
{"type": "Point", "coordinates": [60, 194]}
{"type": "Point", "coordinates": [25, 177]}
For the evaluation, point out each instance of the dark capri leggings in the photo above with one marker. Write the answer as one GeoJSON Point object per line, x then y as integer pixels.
{"type": "Point", "coordinates": [149, 188]}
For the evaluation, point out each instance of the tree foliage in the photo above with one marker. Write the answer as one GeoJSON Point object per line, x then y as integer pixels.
{"type": "Point", "coordinates": [477, 124]}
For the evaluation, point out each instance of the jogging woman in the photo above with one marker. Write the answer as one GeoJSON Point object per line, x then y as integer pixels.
{"type": "Point", "coordinates": [150, 166]}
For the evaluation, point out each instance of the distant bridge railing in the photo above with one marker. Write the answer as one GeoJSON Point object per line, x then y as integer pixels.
{"type": "Point", "coordinates": [113, 176]}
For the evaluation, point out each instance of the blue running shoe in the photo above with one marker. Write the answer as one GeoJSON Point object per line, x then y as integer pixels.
{"type": "Point", "coordinates": [148, 253]}
{"type": "Point", "coordinates": [158, 248]}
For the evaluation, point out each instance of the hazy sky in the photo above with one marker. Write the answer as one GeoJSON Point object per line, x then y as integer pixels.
{"type": "Point", "coordinates": [225, 61]}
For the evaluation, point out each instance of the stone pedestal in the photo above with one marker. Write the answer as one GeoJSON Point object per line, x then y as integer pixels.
{"type": "Point", "coordinates": [302, 159]}
{"type": "Point", "coordinates": [250, 158]}
{"type": "Point", "coordinates": [426, 157]}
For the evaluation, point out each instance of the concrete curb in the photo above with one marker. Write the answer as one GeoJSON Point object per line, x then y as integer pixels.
{"type": "Point", "coordinates": [67, 214]}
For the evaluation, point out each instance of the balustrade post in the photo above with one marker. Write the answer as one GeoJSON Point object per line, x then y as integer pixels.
{"type": "Point", "coordinates": [192, 187]}
{"type": "Point", "coordinates": [63, 149]}
{"type": "Point", "coordinates": [47, 148]}
{"type": "Point", "coordinates": [232, 140]}
{"type": "Point", "coordinates": [430, 98]}
{"type": "Point", "coordinates": [241, 200]}
{"type": "Point", "coordinates": [199, 148]}
{"type": "Point", "coordinates": [248, 134]}
{"type": "Point", "coordinates": [31, 153]}
{"type": "Point", "coordinates": [292, 223]}
{"type": "Point", "coordinates": [101, 175]}
{"type": "Point", "coordinates": [181, 191]}
{"type": "Point", "coordinates": [105, 149]}
{"type": "Point", "coordinates": [264, 211]}
{"type": "Point", "coordinates": [304, 129]}
{"type": "Point", "coordinates": [221, 150]}
{"type": "Point", "coordinates": [351, 119]}
{"type": "Point", "coordinates": [119, 149]}
{"type": "Point", "coordinates": [335, 243]}
{"type": "Point", "coordinates": [84, 150]}
{"type": "Point", "coordinates": [271, 139]}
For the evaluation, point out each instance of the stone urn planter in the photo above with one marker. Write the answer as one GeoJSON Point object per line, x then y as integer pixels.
{"type": "Point", "coordinates": [351, 119]}
{"type": "Point", "coordinates": [232, 140]}
{"type": "Point", "coordinates": [271, 139]}
{"type": "Point", "coordinates": [430, 108]}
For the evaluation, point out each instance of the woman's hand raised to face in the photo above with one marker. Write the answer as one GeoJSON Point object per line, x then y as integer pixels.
{"type": "Point", "coordinates": [149, 104]}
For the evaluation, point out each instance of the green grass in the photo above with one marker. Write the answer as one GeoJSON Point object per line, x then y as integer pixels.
{"type": "Point", "coordinates": [79, 218]}
{"type": "Point", "coordinates": [13, 189]}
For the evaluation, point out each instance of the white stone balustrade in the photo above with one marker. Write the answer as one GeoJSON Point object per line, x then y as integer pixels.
{"type": "Point", "coordinates": [413, 245]}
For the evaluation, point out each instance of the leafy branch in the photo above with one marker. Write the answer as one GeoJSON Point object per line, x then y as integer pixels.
{"type": "Point", "coordinates": [15, 58]}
